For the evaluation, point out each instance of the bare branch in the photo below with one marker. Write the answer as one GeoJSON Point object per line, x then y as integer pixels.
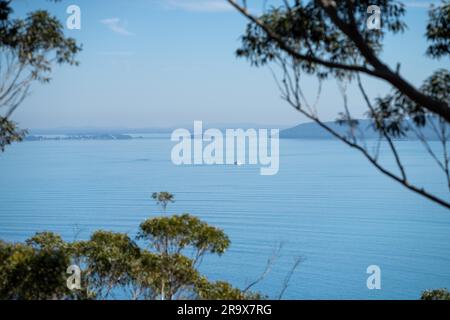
{"type": "Point", "coordinates": [289, 275]}
{"type": "Point", "coordinates": [270, 261]}
{"type": "Point", "coordinates": [291, 96]}
{"type": "Point", "coordinates": [293, 52]}
{"type": "Point", "coordinates": [383, 130]}
{"type": "Point", "coordinates": [380, 70]}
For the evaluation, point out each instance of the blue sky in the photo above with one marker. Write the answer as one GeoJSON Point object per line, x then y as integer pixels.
{"type": "Point", "coordinates": [165, 63]}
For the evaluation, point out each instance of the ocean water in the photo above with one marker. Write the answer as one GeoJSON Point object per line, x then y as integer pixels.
{"type": "Point", "coordinates": [326, 205]}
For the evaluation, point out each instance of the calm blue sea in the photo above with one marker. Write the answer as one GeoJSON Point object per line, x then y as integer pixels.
{"type": "Point", "coordinates": [326, 204]}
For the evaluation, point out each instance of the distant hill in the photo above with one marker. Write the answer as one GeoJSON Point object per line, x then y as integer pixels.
{"type": "Point", "coordinates": [312, 130]}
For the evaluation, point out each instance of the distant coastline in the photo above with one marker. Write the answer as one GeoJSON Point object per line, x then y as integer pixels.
{"type": "Point", "coordinates": [309, 130]}
{"type": "Point", "coordinates": [81, 137]}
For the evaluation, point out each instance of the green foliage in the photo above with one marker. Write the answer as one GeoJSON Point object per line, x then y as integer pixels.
{"type": "Point", "coordinates": [176, 276]}
{"type": "Point", "coordinates": [107, 262]}
{"type": "Point", "coordinates": [30, 46]}
{"type": "Point", "coordinates": [307, 28]}
{"type": "Point", "coordinates": [391, 112]}
{"type": "Point", "coordinates": [112, 262]}
{"type": "Point", "coordinates": [220, 290]}
{"type": "Point", "coordinates": [46, 241]}
{"type": "Point", "coordinates": [28, 272]}
{"type": "Point", "coordinates": [438, 30]}
{"type": "Point", "coordinates": [169, 238]}
{"type": "Point", "coordinates": [438, 85]}
{"type": "Point", "coordinates": [170, 235]}
{"type": "Point", "coordinates": [37, 41]}
{"type": "Point", "coordinates": [437, 294]}
{"type": "Point", "coordinates": [9, 133]}
{"type": "Point", "coordinates": [163, 198]}
{"type": "Point", "coordinates": [156, 276]}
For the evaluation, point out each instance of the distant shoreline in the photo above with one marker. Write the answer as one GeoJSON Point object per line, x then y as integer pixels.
{"type": "Point", "coordinates": [308, 131]}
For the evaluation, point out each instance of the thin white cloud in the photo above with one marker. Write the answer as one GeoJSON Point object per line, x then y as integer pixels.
{"type": "Point", "coordinates": [116, 26]}
{"type": "Point", "coordinates": [198, 5]}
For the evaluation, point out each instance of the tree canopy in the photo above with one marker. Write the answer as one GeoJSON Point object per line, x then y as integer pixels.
{"type": "Point", "coordinates": [163, 198]}
{"type": "Point", "coordinates": [331, 39]}
{"type": "Point", "coordinates": [114, 265]}
{"type": "Point", "coordinates": [29, 48]}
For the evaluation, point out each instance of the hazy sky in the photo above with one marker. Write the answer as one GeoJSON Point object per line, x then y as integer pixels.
{"type": "Point", "coordinates": [149, 63]}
